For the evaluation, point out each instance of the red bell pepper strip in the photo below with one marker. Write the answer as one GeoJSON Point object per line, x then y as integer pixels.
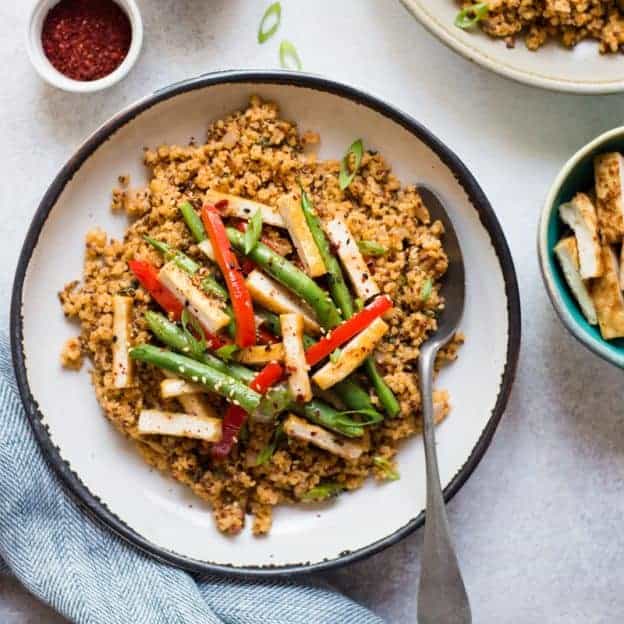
{"type": "Point", "coordinates": [236, 416]}
{"type": "Point", "coordinates": [228, 263]}
{"type": "Point", "coordinates": [147, 274]}
{"type": "Point", "coordinates": [347, 329]}
{"type": "Point", "coordinates": [267, 377]}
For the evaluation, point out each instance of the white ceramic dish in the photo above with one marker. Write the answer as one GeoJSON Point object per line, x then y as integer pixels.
{"type": "Point", "coordinates": [581, 70]}
{"type": "Point", "coordinates": [54, 77]}
{"type": "Point", "coordinates": [105, 472]}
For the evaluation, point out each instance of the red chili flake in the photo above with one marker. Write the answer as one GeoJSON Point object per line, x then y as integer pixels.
{"type": "Point", "coordinates": [86, 39]}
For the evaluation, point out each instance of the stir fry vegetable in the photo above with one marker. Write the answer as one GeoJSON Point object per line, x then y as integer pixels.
{"type": "Point", "coordinates": [123, 366]}
{"type": "Point", "coordinates": [181, 425]}
{"type": "Point", "coordinates": [147, 276]}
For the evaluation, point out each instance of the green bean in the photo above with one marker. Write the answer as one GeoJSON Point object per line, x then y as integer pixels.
{"type": "Point", "coordinates": [290, 276]}
{"type": "Point", "coordinates": [192, 370]}
{"type": "Point", "coordinates": [182, 260]}
{"type": "Point", "coordinates": [386, 396]}
{"type": "Point", "coordinates": [193, 221]}
{"type": "Point", "coordinates": [326, 416]}
{"type": "Point", "coordinates": [211, 286]}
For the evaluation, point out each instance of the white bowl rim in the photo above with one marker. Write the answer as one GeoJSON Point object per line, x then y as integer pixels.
{"type": "Point", "coordinates": [525, 77]}
{"type": "Point", "coordinates": [54, 77]}
{"type": "Point", "coordinates": [595, 345]}
{"type": "Point", "coordinates": [72, 482]}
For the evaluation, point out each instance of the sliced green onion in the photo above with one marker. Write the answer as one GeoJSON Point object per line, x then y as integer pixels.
{"type": "Point", "coordinates": [267, 452]}
{"type": "Point", "coordinates": [288, 51]}
{"type": "Point", "coordinates": [469, 16]}
{"type": "Point", "coordinates": [371, 248]}
{"type": "Point", "coordinates": [359, 304]}
{"type": "Point", "coordinates": [357, 149]}
{"type": "Point", "coordinates": [323, 491]}
{"type": "Point", "coordinates": [334, 356]}
{"type": "Point", "coordinates": [197, 345]}
{"type": "Point", "coordinates": [425, 291]}
{"type": "Point", "coordinates": [253, 232]}
{"type": "Point", "coordinates": [373, 417]}
{"type": "Point", "coordinates": [389, 471]}
{"type": "Point", "coordinates": [211, 286]}
{"type": "Point", "coordinates": [273, 12]}
{"type": "Point", "coordinates": [226, 352]}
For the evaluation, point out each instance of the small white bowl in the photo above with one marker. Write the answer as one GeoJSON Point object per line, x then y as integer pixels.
{"type": "Point", "coordinates": [53, 76]}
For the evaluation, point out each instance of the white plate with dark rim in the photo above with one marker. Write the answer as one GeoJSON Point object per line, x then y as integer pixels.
{"type": "Point", "coordinates": [103, 471]}
{"type": "Point", "coordinates": [581, 70]}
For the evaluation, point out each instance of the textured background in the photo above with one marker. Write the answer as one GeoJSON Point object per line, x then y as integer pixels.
{"type": "Point", "coordinates": [538, 526]}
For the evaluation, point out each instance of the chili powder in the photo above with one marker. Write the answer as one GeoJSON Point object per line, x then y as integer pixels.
{"type": "Point", "coordinates": [86, 39]}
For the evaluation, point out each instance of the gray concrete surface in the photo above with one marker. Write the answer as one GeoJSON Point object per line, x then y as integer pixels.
{"type": "Point", "coordinates": [538, 526]}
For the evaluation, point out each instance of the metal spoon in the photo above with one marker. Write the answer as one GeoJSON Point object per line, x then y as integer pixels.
{"type": "Point", "coordinates": [442, 597]}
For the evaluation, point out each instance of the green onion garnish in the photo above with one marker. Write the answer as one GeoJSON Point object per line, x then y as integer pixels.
{"type": "Point", "coordinates": [359, 304]}
{"type": "Point", "coordinates": [334, 356]}
{"type": "Point", "coordinates": [469, 16]}
{"type": "Point", "coordinates": [253, 232]}
{"type": "Point", "coordinates": [267, 452]}
{"type": "Point", "coordinates": [288, 51]}
{"type": "Point", "coordinates": [371, 248]}
{"type": "Point", "coordinates": [226, 352]}
{"type": "Point", "coordinates": [346, 177]}
{"type": "Point", "coordinates": [425, 291]}
{"type": "Point", "coordinates": [323, 491]}
{"type": "Point", "coordinates": [373, 417]}
{"type": "Point", "coordinates": [389, 471]}
{"type": "Point", "coordinates": [197, 345]}
{"type": "Point", "coordinates": [272, 14]}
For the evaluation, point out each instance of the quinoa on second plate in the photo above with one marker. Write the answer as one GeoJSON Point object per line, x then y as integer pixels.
{"type": "Point", "coordinates": [257, 155]}
{"type": "Point", "coordinates": [568, 21]}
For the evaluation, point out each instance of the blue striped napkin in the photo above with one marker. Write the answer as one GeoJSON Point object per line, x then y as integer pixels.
{"type": "Point", "coordinates": [91, 576]}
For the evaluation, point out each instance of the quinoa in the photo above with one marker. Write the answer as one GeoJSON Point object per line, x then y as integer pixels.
{"type": "Point", "coordinates": [256, 154]}
{"type": "Point", "coordinates": [568, 21]}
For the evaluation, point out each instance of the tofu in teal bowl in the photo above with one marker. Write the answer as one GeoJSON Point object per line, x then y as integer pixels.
{"type": "Point", "coordinates": [582, 259]}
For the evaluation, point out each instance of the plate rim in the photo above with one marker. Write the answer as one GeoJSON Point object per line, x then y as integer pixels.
{"type": "Point", "coordinates": [71, 481]}
{"type": "Point", "coordinates": [478, 56]}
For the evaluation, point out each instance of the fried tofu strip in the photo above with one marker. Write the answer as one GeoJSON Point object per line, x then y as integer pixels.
{"type": "Point", "coordinates": [207, 310]}
{"type": "Point", "coordinates": [352, 355]}
{"type": "Point", "coordinates": [261, 354]}
{"type": "Point", "coordinates": [301, 429]}
{"type": "Point", "coordinates": [294, 357]}
{"type": "Point", "coordinates": [193, 404]}
{"type": "Point", "coordinates": [123, 364]}
{"type": "Point", "coordinates": [607, 297]}
{"type": "Point", "coordinates": [349, 253]}
{"type": "Point", "coordinates": [580, 215]}
{"type": "Point", "coordinates": [176, 388]}
{"type": "Point", "coordinates": [609, 175]}
{"type": "Point", "coordinates": [246, 208]}
{"type": "Point", "coordinates": [566, 251]}
{"type": "Point", "coordinates": [179, 425]}
{"type": "Point", "coordinates": [276, 298]}
{"type": "Point", "coordinates": [292, 213]}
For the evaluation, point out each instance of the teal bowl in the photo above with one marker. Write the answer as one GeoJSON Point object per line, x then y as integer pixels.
{"type": "Point", "coordinates": [577, 175]}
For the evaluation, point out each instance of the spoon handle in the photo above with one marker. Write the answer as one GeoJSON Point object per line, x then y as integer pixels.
{"type": "Point", "coordinates": [442, 597]}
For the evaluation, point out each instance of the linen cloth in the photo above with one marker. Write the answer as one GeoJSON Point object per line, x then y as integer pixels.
{"type": "Point", "coordinates": [91, 576]}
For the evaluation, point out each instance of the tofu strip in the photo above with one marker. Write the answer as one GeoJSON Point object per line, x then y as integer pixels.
{"type": "Point", "coordinates": [607, 297]}
{"type": "Point", "coordinates": [174, 388]}
{"type": "Point", "coordinates": [193, 404]}
{"type": "Point", "coordinates": [123, 364]}
{"type": "Point", "coordinates": [301, 429]}
{"type": "Point", "coordinates": [292, 213]}
{"type": "Point", "coordinates": [352, 355]}
{"type": "Point", "coordinates": [207, 311]}
{"type": "Point", "coordinates": [206, 248]}
{"type": "Point", "coordinates": [179, 425]}
{"type": "Point", "coordinates": [346, 246]}
{"type": "Point", "coordinates": [246, 208]}
{"type": "Point", "coordinates": [261, 354]}
{"type": "Point", "coordinates": [274, 297]}
{"type": "Point", "coordinates": [567, 254]}
{"type": "Point", "coordinates": [580, 215]}
{"type": "Point", "coordinates": [609, 176]}
{"type": "Point", "coordinates": [294, 357]}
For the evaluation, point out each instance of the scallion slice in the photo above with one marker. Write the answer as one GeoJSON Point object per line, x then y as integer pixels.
{"type": "Point", "coordinates": [226, 352]}
{"type": "Point", "coordinates": [253, 232]}
{"type": "Point", "coordinates": [287, 51]}
{"type": "Point", "coordinates": [471, 15]}
{"type": "Point", "coordinates": [323, 491]}
{"type": "Point", "coordinates": [272, 16]}
{"type": "Point", "coordinates": [334, 356]}
{"type": "Point", "coordinates": [346, 177]}
{"type": "Point", "coordinates": [425, 291]}
{"type": "Point", "coordinates": [371, 248]}
{"type": "Point", "coordinates": [389, 471]}
{"type": "Point", "coordinates": [267, 452]}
